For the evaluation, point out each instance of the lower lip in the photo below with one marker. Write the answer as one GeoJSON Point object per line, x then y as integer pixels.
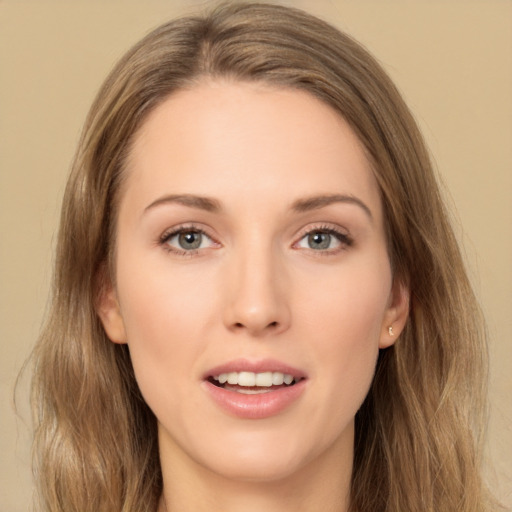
{"type": "Point", "coordinates": [258, 406]}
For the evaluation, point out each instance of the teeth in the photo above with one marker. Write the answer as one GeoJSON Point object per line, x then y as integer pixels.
{"type": "Point", "coordinates": [250, 379]}
{"type": "Point", "coordinates": [247, 379]}
{"type": "Point", "coordinates": [254, 391]}
{"type": "Point", "coordinates": [263, 379]}
{"type": "Point", "coordinates": [288, 379]}
{"type": "Point", "coordinates": [232, 378]}
{"type": "Point", "coordinates": [277, 378]}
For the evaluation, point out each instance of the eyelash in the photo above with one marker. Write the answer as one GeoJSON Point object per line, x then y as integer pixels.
{"type": "Point", "coordinates": [343, 238]}
{"type": "Point", "coordinates": [169, 234]}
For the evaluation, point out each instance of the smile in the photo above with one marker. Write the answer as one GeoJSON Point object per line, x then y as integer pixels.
{"type": "Point", "coordinates": [254, 390]}
{"type": "Point", "coordinates": [252, 383]}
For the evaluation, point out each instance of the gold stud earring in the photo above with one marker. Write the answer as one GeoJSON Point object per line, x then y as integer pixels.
{"type": "Point", "coordinates": [390, 330]}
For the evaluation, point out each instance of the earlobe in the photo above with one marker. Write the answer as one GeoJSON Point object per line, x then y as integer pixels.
{"type": "Point", "coordinates": [396, 314]}
{"type": "Point", "coordinates": [109, 312]}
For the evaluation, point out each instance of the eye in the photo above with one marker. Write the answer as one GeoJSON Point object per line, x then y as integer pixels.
{"type": "Point", "coordinates": [324, 239]}
{"type": "Point", "coordinates": [186, 240]}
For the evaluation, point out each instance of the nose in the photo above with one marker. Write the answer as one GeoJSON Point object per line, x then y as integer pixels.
{"type": "Point", "coordinates": [256, 295]}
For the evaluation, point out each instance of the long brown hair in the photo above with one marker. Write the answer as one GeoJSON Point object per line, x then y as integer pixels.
{"type": "Point", "coordinates": [419, 432]}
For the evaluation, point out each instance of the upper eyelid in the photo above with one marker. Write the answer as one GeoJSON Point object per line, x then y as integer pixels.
{"type": "Point", "coordinates": [175, 230]}
{"type": "Point", "coordinates": [163, 240]}
{"type": "Point", "coordinates": [300, 234]}
{"type": "Point", "coordinates": [345, 239]}
{"type": "Point", "coordinates": [323, 226]}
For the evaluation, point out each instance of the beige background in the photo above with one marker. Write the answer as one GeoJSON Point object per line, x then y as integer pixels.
{"type": "Point", "coordinates": [452, 59]}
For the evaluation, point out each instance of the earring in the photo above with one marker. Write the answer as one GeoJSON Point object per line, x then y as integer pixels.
{"type": "Point", "coordinates": [390, 330]}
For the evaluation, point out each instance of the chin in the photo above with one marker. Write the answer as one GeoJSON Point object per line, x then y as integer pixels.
{"type": "Point", "coordinates": [257, 469]}
{"type": "Point", "coordinates": [264, 456]}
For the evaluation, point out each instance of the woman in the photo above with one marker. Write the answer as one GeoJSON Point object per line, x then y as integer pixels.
{"type": "Point", "coordinates": [258, 298]}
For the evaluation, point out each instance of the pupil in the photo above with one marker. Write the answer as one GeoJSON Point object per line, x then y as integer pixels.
{"type": "Point", "coordinates": [190, 240]}
{"type": "Point", "coordinates": [319, 240]}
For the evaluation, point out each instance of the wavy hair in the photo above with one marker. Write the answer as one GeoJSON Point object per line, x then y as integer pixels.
{"type": "Point", "coordinates": [419, 432]}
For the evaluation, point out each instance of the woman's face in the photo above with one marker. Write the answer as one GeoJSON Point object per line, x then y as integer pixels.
{"type": "Point", "coordinates": [251, 247]}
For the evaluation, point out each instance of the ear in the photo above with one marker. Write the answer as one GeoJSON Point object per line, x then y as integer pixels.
{"type": "Point", "coordinates": [108, 310]}
{"type": "Point", "coordinates": [396, 314]}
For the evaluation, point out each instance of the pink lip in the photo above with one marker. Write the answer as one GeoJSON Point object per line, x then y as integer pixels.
{"type": "Point", "coordinates": [258, 406]}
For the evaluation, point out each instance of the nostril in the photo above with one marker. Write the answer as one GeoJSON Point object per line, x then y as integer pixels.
{"type": "Point", "coordinates": [272, 325]}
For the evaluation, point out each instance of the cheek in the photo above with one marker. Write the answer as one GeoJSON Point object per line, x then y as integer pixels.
{"type": "Point", "coordinates": [348, 317]}
{"type": "Point", "coordinates": [349, 305]}
{"type": "Point", "coordinates": [165, 315]}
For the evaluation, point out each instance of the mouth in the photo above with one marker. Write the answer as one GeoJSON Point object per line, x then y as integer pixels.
{"type": "Point", "coordinates": [252, 383]}
{"type": "Point", "coordinates": [255, 389]}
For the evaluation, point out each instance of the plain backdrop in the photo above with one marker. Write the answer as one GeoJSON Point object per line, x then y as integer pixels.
{"type": "Point", "coordinates": [452, 59]}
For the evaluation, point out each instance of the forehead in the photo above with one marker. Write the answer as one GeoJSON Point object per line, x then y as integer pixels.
{"type": "Point", "coordinates": [239, 141]}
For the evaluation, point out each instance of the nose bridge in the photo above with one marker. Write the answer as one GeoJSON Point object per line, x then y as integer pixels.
{"type": "Point", "coordinates": [256, 299]}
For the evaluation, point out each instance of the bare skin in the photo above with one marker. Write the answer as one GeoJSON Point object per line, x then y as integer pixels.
{"type": "Point", "coordinates": [251, 232]}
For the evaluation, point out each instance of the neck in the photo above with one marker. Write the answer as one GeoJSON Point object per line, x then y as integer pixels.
{"type": "Point", "coordinates": [321, 484]}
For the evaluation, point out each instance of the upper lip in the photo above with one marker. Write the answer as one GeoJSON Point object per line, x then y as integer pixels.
{"type": "Point", "coordinates": [255, 366]}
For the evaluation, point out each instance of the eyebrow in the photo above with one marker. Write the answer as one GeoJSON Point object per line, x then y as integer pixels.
{"type": "Point", "coordinates": [201, 203]}
{"type": "Point", "coordinates": [300, 205]}
{"type": "Point", "coordinates": [317, 202]}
